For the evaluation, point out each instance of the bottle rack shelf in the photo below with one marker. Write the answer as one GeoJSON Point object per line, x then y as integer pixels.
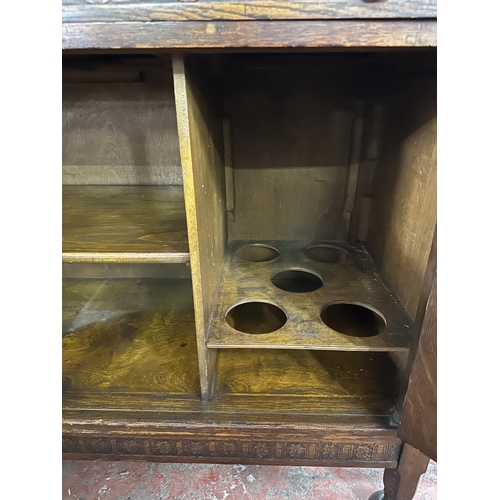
{"type": "Point", "coordinates": [304, 295]}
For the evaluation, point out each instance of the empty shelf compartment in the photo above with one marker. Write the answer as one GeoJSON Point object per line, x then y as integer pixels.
{"type": "Point", "coordinates": [128, 344]}
{"type": "Point", "coordinates": [136, 224]}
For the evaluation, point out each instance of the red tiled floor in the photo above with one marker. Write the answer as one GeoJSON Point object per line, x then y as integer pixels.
{"type": "Point", "coordinates": [104, 480]}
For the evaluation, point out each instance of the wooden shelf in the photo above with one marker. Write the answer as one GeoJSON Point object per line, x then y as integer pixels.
{"type": "Point", "coordinates": [124, 224]}
{"type": "Point", "coordinates": [293, 382]}
{"type": "Point", "coordinates": [373, 320]}
{"type": "Point", "coordinates": [130, 345]}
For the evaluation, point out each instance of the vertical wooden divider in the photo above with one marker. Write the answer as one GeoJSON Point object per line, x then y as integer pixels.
{"type": "Point", "coordinates": [199, 122]}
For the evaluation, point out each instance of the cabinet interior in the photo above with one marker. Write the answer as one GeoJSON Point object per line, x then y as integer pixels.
{"type": "Point", "coordinates": [245, 235]}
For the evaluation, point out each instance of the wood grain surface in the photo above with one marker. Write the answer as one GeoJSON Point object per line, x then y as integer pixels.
{"type": "Point", "coordinates": [231, 443]}
{"type": "Point", "coordinates": [126, 270]}
{"type": "Point", "coordinates": [292, 185]}
{"type": "Point", "coordinates": [353, 383]}
{"type": "Point", "coordinates": [354, 281]}
{"type": "Point", "coordinates": [142, 224]}
{"type": "Point", "coordinates": [130, 388]}
{"type": "Point", "coordinates": [199, 115]}
{"type": "Point", "coordinates": [244, 34]}
{"type": "Point", "coordinates": [141, 379]}
{"type": "Point", "coordinates": [130, 345]}
{"type": "Point", "coordinates": [368, 153]}
{"type": "Point", "coordinates": [403, 208]}
{"type": "Point", "coordinates": [129, 336]}
{"type": "Point", "coordinates": [118, 132]}
{"type": "Point", "coordinates": [228, 10]}
{"type": "Point", "coordinates": [401, 483]}
{"type": "Point", "coordinates": [419, 421]}
{"type": "Point", "coordinates": [354, 161]}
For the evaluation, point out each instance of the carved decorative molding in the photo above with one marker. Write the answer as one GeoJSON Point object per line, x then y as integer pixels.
{"type": "Point", "coordinates": [227, 449]}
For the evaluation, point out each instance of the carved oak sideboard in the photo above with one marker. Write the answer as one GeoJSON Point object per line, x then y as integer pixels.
{"type": "Point", "coordinates": [249, 233]}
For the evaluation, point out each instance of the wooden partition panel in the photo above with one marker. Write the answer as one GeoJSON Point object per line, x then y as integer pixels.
{"type": "Point", "coordinates": [201, 146]}
{"type": "Point", "coordinates": [403, 205]}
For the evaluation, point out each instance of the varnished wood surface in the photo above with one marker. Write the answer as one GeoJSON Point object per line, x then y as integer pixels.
{"type": "Point", "coordinates": [126, 270]}
{"type": "Point", "coordinates": [404, 208]}
{"type": "Point", "coordinates": [292, 185]}
{"type": "Point", "coordinates": [252, 385]}
{"type": "Point", "coordinates": [354, 161]}
{"type": "Point", "coordinates": [419, 420]}
{"type": "Point", "coordinates": [123, 337]}
{"type": "Point", "coordinates": [117, 132]}
{"type": "Point", "coordinates": [131, 391]}
{"type": "Point", "coordinates": [359, 220]}
{"type": "Point", "coordinates": [142, 224]}
{"type": "Point", "coordinates": [244, 34]}
{"type": "Point", "coordinates": [228, 163]}
{"type": "Point", "coordinates": [130, 345]}
{"type": "Point", "coordinates": [261, 413]}
{"type": "Point", "coordinates": [354, 281]}
{"type": "Point", "coordinates": [199, 117]}
{"type": "Point", "coordinates": [401, 483]}
{"type": "Point", "coordinates": [231, 442]}
{"type": "Point", "coordinates": [291, 382]}
{"type": "Point", "coordinates": [155, 419]}
{"type": "Point", "coordinates": [228, 10]}
{"type": "Point", "coordinates": [425, 294]}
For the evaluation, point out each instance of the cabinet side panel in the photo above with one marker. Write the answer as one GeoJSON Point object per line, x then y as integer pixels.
{"type": "Point", "coordinates": [404, 213]}
{"type": "Point", "coordinates": [200, 136]}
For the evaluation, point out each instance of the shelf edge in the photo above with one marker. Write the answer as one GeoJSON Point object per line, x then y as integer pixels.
{"type": "Point", "coordinates": [125, 257]}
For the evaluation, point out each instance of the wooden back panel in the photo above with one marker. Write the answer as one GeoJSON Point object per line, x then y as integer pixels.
{"type": "Point", "coordinates": [291, 130]}
{"type": "Point", "coordinates": [119, 123]}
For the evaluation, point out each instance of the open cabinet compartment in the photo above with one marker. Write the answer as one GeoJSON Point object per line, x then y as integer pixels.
{"type": "Point", "coordinates": [195, 185]}
{"type": "Point", "coordinates": [122, 181]}
{"type": "Point", "coordinates": [129, 338]}
{"type": "Point", "coordinates": [286, 159]}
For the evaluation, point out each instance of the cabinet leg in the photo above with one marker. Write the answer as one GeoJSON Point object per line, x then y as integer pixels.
{"type": "Point", "coordinates": [401, 483]}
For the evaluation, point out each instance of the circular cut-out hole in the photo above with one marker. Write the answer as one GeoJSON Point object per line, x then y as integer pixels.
{"type": "Point", "coordinates": [256, 317]}
{"type": "Point", "coordinates": [294, 280]}
{"type": "Point", "coordinates": [327, 253]}
{"type": "Point", "coordinates": [353, 320]}
{"type": "Point", "coordinates": [257, 253]}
